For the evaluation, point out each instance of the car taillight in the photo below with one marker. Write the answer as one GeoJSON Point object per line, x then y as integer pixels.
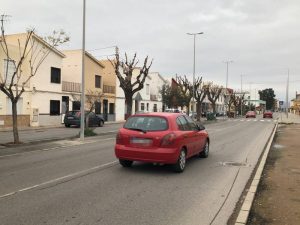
{"type": "Point", "coordinates": [119, 138]}
{"type": "Point", "coordinates": [168, 140]}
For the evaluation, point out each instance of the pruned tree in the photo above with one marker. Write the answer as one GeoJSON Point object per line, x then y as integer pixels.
{"type": "Point", "coordinates": [231, 101]}
{"type": "Point", "coordinates": [213, 93]}
{"type": "Point", "coordinates": [128, 82]}
{"type": "Point", "coordinates": [200, 95]}
{"type": "Point", "coordinates": [186, 88]}
{"type": "Point", "coordinates": [31, 54]}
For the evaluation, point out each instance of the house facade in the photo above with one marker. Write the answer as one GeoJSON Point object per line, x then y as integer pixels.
{"type": "Point", "coordinates": [39, 104]}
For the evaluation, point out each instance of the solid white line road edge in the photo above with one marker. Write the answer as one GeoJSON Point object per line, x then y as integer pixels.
{"type": "Point", "coordinates": [72, 175]}
{"type": "Point", "coordinates": [247, 204]}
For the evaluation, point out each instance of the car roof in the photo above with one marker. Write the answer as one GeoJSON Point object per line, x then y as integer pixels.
{"type": "Point", "coordinates": [161, 114]}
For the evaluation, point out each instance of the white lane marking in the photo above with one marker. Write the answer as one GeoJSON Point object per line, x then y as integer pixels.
{"type": "Point", "coordinates": [249, 120]}
{"type": "Point", "coordinates": [255, 120]}
{"type": "Point", "coordinates": [72, 175]}
{"type": "Point", "coordinates": [58, 147]}
{"type": "Point", "coordinates": [262, 120]}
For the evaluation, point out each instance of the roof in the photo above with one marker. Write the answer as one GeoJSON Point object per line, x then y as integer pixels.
{"type": "Point", "coordinates": [42, 41]}
{"type": "Point", "coordinates": [164, 114]}
{"type": "Point", "coordinates": [88, 55]}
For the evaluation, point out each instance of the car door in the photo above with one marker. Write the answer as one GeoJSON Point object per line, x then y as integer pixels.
{"type": "Point", "coordinates": [186, 135]}
{"type": "Point", "coordinates": [195, 135]}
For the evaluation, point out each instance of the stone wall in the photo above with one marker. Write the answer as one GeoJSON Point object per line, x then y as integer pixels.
{"type": "Point", "coordinates": [6, 121]}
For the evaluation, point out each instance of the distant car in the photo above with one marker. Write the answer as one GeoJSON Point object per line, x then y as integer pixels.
{"type": "Point", "coordinates": [268, 114]}
{"type": "Point", "coordinates": [250, 114]}
{"type": "Point", "coordinates": [73, 118]}
{"type": "Point", "coordinates": [173, 110]}
{"type": "Point", "coordinates": [168, 138]}
{"type": "Point", "coordinates": [220, 113]}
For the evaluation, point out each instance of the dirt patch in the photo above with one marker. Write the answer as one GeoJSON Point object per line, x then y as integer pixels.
{"type": "Point", "coordinates": [277, 201]}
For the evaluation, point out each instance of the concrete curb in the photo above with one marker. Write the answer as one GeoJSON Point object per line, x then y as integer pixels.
{"type": "Point", "coordinates": [247, 204]}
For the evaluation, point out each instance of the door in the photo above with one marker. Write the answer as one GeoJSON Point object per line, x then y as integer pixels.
{"type": "Point", "coordinates": [186, 134]}
{"type": "Point", "coordinates": [197, 137]}
{"type": "Point", "coordinates": [105, 109]}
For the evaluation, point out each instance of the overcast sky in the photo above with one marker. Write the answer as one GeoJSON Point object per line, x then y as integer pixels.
{"type": "Point", "coordinates": [262, 37]}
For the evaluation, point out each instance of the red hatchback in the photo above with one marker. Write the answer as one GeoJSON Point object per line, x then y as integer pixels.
{"type": "Point", "coordinates": [168, 138]}
{"type": "Point", "coordinates": [250, 114]}
{"type": "Point", "coordinates": [268, 114]}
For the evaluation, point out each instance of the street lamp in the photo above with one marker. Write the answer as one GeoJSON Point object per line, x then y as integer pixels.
{"type": "Point", "coordinates": [82, 119]}
{"type": "Point", "coordinates": [225, 99]}
{"type": "Point", "coordinates": [194, 34]}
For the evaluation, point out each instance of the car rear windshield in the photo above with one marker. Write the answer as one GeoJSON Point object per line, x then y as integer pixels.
{"type": "Point", "coordinates": [146, 123]}
{"type": "Point", "coordinates": [74, 113]}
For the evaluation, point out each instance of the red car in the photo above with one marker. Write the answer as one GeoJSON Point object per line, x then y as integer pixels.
{"type": "Point", "coordinates": [250, 114]}
{"type": "Point", "coordinates": [168, 138]}
{"type": "Point", "coordinates": [268, 114]}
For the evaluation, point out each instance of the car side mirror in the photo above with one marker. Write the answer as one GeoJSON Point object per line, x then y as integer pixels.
{"type": "Point", "coordinates": [200, 127]}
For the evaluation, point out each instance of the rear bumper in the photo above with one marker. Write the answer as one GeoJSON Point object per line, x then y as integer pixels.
{"type": "Point", "coordinates": [159, 155]}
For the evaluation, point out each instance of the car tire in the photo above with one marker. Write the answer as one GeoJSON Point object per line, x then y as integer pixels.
{"type": "Point", "coordinates": [205, 151]}
{"type": "Point", "coordinates": [179, 166]}
{"type": "Point", "coordinates": [101, 123]}
{"type": "Point", "coordinates": [67, 125]}
{"type": "Point", "coordinates": [125, 163]}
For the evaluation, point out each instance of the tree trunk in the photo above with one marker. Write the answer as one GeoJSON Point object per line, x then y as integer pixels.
{"type": "Point", "coordinates": [15, 122]}
{"type": "Point", "coordinates": [199, 110]}
{"type": "Point", "coordinates": [213, 104]}
{"type": "Point", "coordinates": [128, 99]}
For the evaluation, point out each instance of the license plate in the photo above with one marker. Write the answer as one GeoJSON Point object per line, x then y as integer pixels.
{"type": "Point", "coordinates": [70, 117]}
{"type": "Point", "coordinates": [141, 141]}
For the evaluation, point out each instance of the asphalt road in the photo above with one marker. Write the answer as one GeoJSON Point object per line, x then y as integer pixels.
{"type": "Point", "coordinates": [76, 183]}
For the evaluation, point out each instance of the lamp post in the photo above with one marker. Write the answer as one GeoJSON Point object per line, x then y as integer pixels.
{"type": "Point", "coordinates": [194, 34]}
{"type": "Point", "coordinates": [225, 99]}
{"type": "Point", "coordinates": [82, 117]}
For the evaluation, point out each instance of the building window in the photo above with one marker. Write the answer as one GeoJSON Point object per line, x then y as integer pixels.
{"type": "Point", "coordinates": [155, 108]}
{"type": "Point", "coordinates": [54, 107]}
{"type": "Point", "coordinates": [97, 81]}
{"type": "Point", "coordinates": [55, 75]}
{"type": "Point", "coordinates": [8, 69]}
{"type": "Point", "coordinates": [147, 89]}
{"type": "Point", "coordinates": [98, 107]}
{"type": "Point", "coordinates": [111, 108]}
{"type": "Point", "coordinates": [76, 105]}
{"type": "Point", "coordinates": [142, 106]}
{"type": "Point", "coordinates": [148, 107]}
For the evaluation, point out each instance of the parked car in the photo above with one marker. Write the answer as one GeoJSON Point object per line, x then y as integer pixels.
{"type": "Point", "coordinates": [173, 110]}
{"type": "Point", "coordinates": [268, 114]}
{"type": "Point", "coordinates": [72, 118]}
{"type": "Point", "coordinates": [167, 138]}
{"type": "Point", "coordinates": [251, 114]}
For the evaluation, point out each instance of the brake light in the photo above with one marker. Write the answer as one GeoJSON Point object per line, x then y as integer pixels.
{"type": "Point", "coordinates": [168, 140]}
{"type": "Point", "coordinates": [119, 138]}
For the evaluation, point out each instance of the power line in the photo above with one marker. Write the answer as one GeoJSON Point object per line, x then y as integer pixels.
{"type": "Point", "coordinates": [113, 46]}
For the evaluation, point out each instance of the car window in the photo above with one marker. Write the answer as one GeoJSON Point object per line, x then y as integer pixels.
{"type": "Point", "coordinates": [182, 123]}
{"type": "Point", "coordinates": [147, 123]}
{"type": "Point", "coordinates": [191, 123]}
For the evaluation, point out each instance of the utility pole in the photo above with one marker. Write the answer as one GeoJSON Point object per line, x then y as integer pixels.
{"type": "Point", "coordinates": [241, 95]}
{"type": "Point", "coordinates": [194, 34]}
{"type": "Point", "coordinates": [225, 96]}
{"type": "Point", "coordinates": [287, 94]}
{"type": "Point", "coordinates": [82, 117]}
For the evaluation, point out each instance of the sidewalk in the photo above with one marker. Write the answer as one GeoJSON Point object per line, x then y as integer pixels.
{"type": "Point", "coordinates": [277, 200]}
{"type": "Point", "coordinates": [7, 129]}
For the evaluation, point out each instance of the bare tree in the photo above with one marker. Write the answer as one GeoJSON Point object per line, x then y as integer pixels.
{"type": "Point", "coordinates": [31, 55]}
{"type": "Point", "coordinates": [130, 84]}
{"type": "Point", "coordinates": [186, 88]}
{"type": "Point", "coordinates": [213, 92]}
{"type": "Point", "coordinates": [200, 95]}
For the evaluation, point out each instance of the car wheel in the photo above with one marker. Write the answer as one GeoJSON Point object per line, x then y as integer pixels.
{"type": "Point", "coordinates": [67, 125]}
{"type": "Point", "coordinates": [179, 166]}
{"type": "Point", "coordinates": [204, 153]}
{"type": "Point", "coordinates": [101, 123]}
{"type": "Point", "coordinates": [125, 163]}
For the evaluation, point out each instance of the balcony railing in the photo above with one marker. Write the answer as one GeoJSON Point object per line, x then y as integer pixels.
{"type": "Point", "coordinates": [109, 89]}
{"type": "Point", "coordinates": [71, 86]}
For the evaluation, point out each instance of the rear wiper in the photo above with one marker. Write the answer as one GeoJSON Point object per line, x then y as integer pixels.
{"type": "Point", "coordinates": [138, 129]}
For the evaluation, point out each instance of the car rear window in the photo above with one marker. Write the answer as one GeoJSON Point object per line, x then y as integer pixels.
{"type": "Point", "coordinates": [74, 113]}
{"type": "Point", "coordinates": [147, 123]}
